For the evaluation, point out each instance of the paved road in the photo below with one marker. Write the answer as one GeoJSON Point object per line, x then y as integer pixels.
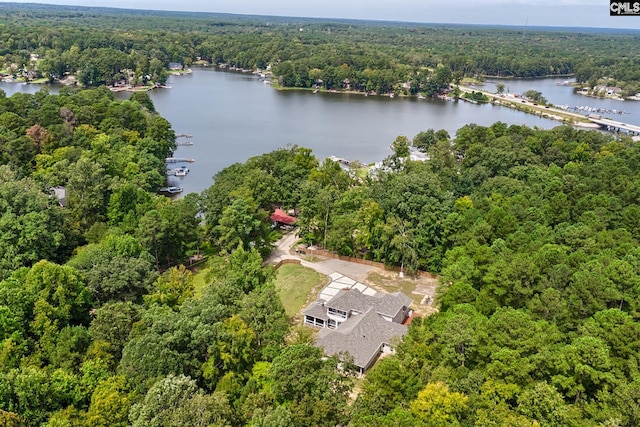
{"type": "Point", "coordinates": [324, 266]}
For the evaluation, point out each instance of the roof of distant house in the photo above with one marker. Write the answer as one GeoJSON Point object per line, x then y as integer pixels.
{"type": "Point", "coordinates": [60, 193]}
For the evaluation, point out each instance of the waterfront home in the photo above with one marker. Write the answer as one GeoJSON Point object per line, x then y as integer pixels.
{"type": "Point", "coordinates": [358, 320]}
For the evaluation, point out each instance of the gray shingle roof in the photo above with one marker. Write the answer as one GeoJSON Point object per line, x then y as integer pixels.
{"type": "Point", "coordinates": [316, 310]}
{"type": "Point", "coordinates": [351, 299]}
{"type": "Point", "coordinates": [361, 336]}
{"type": "Point", "coordinates": [391, 304]}
{"type": "Point", "coordinates": [386, 304]}
{"type": "Point", "coordinates": [364, 332]}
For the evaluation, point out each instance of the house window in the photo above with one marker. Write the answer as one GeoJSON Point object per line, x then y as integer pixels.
{"type": "Point", "coordinates": [310, 320]}
{"type": "Point", "coordinates": [338, 313]}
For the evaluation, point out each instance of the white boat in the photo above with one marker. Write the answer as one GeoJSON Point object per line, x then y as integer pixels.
{"type": "Point", "coordinates": [420, 96]}
{"type": "Point", "coordinates": [171, 190]}
{"type": "Point", "coordinates": [182, 171]}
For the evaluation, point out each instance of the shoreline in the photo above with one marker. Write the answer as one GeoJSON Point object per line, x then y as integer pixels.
{"type": "Point", "coordinates": [70, 80]}
{"type": "Point", "coordinates": [547, 112]}
{"type": "Point", "coordinates": [519, 104]}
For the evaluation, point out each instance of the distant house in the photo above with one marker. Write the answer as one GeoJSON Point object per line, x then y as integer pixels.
{"type": "Point", "coordinates": [608, 90]}
{"type": "Point", "coordinates": [60, 193]}
{"type": "Point", "coordinates": [358, 320]}
{"type": "Point", "coordinates": [176, 66]}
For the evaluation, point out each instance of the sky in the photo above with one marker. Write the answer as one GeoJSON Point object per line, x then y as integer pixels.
{"type": "Point", "coordinates": [565, 13]}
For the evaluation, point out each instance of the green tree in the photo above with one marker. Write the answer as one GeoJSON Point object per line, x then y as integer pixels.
{"type": "Point", "coordinates": [112, 324]}
{"type": "Point", "coordinates": [535, 96]}
{"type": "Point", "coordinates": [242, 225]}
{"type": "Point", "coordinates": [32, 226]}
{"type": "Point", "coordinates": [110, 403]}
{"type": "Point", "coordinates": [114, 276]}
{"type": "Point", "coordinates": [437, 406]}
{"type": "Point", "coordinates": [87, 192]}
{"type": "Point", "coordinates": [169, 400]}
{"type": "Point", "coordinates": [172, 288]}
{"type": "Point", "coordinates": [300, 374]}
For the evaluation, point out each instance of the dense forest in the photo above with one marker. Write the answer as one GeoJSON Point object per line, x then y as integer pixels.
{"type": "Point", "coordinates": [103, 46]}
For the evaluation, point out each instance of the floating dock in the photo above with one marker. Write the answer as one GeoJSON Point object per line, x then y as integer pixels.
{"type": "Point", "coordinates": [178, 160]}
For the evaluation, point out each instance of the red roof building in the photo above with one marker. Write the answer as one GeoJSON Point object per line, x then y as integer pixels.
{"type": "Point", "coordinates": [281, 217]}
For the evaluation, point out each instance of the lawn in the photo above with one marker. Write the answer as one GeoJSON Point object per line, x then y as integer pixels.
{"type": "Point", "coordinates": [199, 282]}
{"type": "Point", "coordinates": [294, 283]}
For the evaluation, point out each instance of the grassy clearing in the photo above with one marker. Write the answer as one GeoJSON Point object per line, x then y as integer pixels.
{"type": "Point", "coordinates": [199, 282]}
{"type": "Point", "coordinates": [294, 283]}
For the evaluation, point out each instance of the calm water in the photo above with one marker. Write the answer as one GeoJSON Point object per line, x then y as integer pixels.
{"type": "Point", "coordinates": [232, 116]}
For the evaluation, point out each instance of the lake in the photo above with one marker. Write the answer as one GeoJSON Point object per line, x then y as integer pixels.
{"type": "Point", "coordinates": [233, 116]}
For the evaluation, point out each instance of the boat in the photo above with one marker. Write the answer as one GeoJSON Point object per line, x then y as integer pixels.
{"type": "Point", "coordinates": [392, 95]}
{"type": "Point", "coordinates": [171, 190]}
{"type": "Point", "coordinates": [420, 96]}
{"type": "Point", "coordinates": [182, 171]}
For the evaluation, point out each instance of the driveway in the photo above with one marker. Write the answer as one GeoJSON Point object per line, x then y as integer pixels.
{"type": "Point", "coordinates": [283, 250]}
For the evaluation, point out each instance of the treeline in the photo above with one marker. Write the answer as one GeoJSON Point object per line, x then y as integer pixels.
{"type": "Point", "coordinates": [98, 45]}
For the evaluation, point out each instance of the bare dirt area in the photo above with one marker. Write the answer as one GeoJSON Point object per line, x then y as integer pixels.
{"type": "Point", "coordinates": [422, 289]}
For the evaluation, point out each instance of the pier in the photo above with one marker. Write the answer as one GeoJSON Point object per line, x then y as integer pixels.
{"type": "Point", "coordinates": [178, 160]}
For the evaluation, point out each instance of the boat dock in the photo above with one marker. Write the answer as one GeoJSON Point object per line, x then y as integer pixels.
{"type": "Point", "coordinates": [341, 160]}
{"type": "Point", "coordinates": [183, 135]}
{"type": "Point", "coordinates": [587, 109]}
{"type": "Point", "coordinates": [178, 160]}
{"type": "Point", "coordinates": [185, 143]}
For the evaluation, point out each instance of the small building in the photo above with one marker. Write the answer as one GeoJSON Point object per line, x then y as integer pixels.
{"type": "Point", "coordinates": [175, 66]}
{"type": "Point", "coordinates": [60, 193]}
{"type": "Point", "coordinates": [358, 320]}
{"type": "Point", "coordinates": [280, 218]}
